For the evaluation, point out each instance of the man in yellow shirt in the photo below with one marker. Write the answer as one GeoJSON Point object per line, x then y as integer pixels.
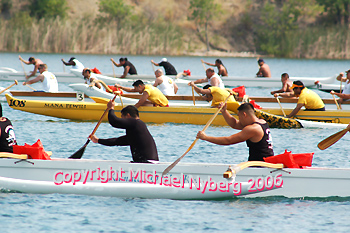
{"type": "Point", "coordinates": [150, 94]}
{"type": "Point", "coordinates": [307, 98]}
{"type": "Point", "coordinates": [215, 94]}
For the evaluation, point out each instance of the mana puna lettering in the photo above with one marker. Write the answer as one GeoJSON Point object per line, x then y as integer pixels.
{"type": "Point", "coordinates": [58, 105]}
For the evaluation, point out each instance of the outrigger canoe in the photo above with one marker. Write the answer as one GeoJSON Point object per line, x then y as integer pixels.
{"type": "Point", "coordinates": [186, 181]}
{"type": "Point", "coordinates": [9, 74]}
{"type": "Point", "coordinates": [264, 102]}
{"type": "Point", "coordinates": [88, 111]}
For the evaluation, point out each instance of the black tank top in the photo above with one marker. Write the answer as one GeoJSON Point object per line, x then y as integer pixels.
{"type": "Point", "coordinates": [263, 148]}
{"type": "Point", "coordinates": [132, 69]}
{"type": "Point", "coordinates": [7, 138]}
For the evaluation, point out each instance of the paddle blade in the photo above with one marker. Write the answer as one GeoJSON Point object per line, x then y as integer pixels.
{"type": "Point", "coordinates": [325, 143]}
{"type": "Point", "coordinates": [171, 166]}
{"type": "Point", "coordinates": [80, 152]}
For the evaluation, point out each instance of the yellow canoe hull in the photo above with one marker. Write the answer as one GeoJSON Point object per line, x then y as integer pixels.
{"type": "Point", "coordinates": [89, 111]}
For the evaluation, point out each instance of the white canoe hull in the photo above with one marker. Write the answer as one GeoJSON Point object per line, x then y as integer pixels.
{"type": "Point", "coordinates": [8, 74]}
{"type": "Point", "coordinates": [96, 92]}
{"type": "Point", "coordinates": [129, 81]}
{"type": "Point", "coordinates": [185, 181]}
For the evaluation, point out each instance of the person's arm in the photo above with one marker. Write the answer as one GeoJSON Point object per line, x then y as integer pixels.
{"type": "Point", "coordinates": [156, 64]}
{"type": "Point", "coordinates": [96, 83]}
{"type": "Point", "coordinates": [247, 133]}
{"type": "Point", "coordinates": [24, 61]}
{"type": "Point", "coordinates": [71, 63]}
{"type": "Point", "coordinates": [142, 100]}
{"type": "Point", "coordinates": [37, 79]}
{"type": "Point", "coordinates": [157, 82]}
{"type": "Point", "coordinates": [201, 80]}
{"type": "Point", "coordinates": [33, 73]}
{"type": "Point", "coordinates": [120, 141]}
{"type": "Point", "coordinates": [282, 90]}
{"type": "Point", "coordinates": [286, 94]}
{"type": "Point", "coordinates": [126, 70]}
{"type": "Point", "coordinates": [230, 120]}
{"type": "Point", "coordinates": [128, 89]}
{"type": "Point", "coordinates": [340, 76]}
{"type": "Point", "coordinates": [207, 63]}
{"type": "Point", "coordinates": [295, 110]}
{"type": "Point", "coordinates": [199, 90]}
{"type": "Point", "coordinates": [116, 64]}
{"type": "Point", "coordinates": [341, 95]}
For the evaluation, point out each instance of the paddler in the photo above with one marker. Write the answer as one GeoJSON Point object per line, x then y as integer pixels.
{"type": "Point", "coordinates": [74, 63]}
{"type": "Point", "coordinates": [254, 131]}
{"type": "Point", "coordinates": [90, 80]}
{"type": "Point", "coordinates": [47, 78]}
{"type": "Point", "coordinates": [151, 96]}
{"type": "Point", "coordinates": [307, 98]}
{"type": "Point", "coordinates": [222, 71]}
{"type": "Point", "coordinates": [142, 145]}
{"type": "Point", "coordinates": [32, 61]}
{"type": "Point", "coordinates": [165, 84]}
{"type": "Point", "coordinates": [168, 67]}
{"type": "Point", "coordinates": [264, 70]}
{"type": "Point", "coordinates": [286, 85]}
{"type": "Point", "coordinates": [215, 94]}
{"type": "Point", "coordinates": [345, 95]}
{"type": "Point", "coordinates": [7, 134]}
{"type": "Point", "coordinates": [212, 78]}
{"type": "Point", "coordinates": [129, 68]}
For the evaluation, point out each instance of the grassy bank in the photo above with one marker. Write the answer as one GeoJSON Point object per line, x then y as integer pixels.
{"type": "Point", "coordinates": [85, 36]}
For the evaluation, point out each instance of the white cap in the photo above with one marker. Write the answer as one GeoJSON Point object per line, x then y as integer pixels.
{"type": "Point", "coordinates": [164, 60]}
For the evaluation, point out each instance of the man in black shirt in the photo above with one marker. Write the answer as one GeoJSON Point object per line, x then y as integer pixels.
{"type": "Point", "coordinates": [7, 134]}
{"type": "Point", "coordinates": [129, 68]}
{"type": "Point", "coordinates": [254, 131]}
{"type": "Point", "coordinates": [142, 145]}
{"type": "Point", "coordinates": [169, 68]}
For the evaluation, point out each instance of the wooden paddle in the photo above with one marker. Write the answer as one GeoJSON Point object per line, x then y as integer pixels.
{"type": "Point", "coordinates": [31, 87]}
{"type": "Point", "coordinates": [80, 152]}
{"type": "Point", "coordinates": [194, 142]}
{"type": "Point", "coordinates": [325, 143]}
{"type": "Point", "coordinates": [194, 101]}
{"type": "Point", "coordinates": [336, 102]}
{"type": "Point", "coordinates": [113, 70]}
{"type": "Point", "coordinates": [24, 71]}
{"type": "Point", "coordinates": [154, 70]}
{"type": "Point", "coordinates": [341, 84]}
{"type": "Point", "coordinates": [284, 114]}
{"type": "Point", "coordinates": [5, 89]}
{"type": "Point", "coordinates": [205, 69]}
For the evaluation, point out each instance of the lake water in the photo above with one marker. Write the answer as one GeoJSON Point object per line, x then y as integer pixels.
{"type": "Point", "coordinates": [75, 213]}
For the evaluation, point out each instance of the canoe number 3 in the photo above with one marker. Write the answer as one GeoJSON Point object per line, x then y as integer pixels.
{"type": "Point", "coordinates": [17, 103]}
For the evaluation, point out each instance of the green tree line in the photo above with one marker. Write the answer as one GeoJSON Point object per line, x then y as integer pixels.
{"type": "Point", "coordinates": [284, 28]}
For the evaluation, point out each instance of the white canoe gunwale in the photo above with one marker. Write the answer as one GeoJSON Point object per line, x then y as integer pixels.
{"type": "Point", "coordinates": [37, 176]}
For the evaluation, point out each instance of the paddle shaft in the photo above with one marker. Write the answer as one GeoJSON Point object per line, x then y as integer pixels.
{"type": "Point", "coordinates": [341, 84]}
{"type": "Point", "coordinates": [284, 114]}
{"type": "Point", "coordinates": [325, 143]}
{"type": "Point", "coordinates": [103, 115]}
{"type": "Point", "coordinates": [336, 102]}
{"type": "Point", "coordinates": [113, 70]}
{"type": "Point", "coordinates": [154, 70]}
{"type": "Point", "coordinates": [24, 71]}
{"type": "Point", "coordinates": [194, 142]}
{"type": "Point", "coordinates": [194, 101]}
{"type": "Point", "coordinates": [204, 66]}
{"type": "Point", "coordinates": [9, 87]}
{"type": "Point", "coordinates": [31, 87]}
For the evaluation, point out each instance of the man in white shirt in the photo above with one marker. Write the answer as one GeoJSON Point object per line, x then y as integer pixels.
{"type": "Point", "coordinates": [165, 84]}
{"type": "Point", "coordinates": [212, 78]}
{"type": "Point", "coordinates": [47, 78]}
{"type": "Point", "coordinates": [74, 63]}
